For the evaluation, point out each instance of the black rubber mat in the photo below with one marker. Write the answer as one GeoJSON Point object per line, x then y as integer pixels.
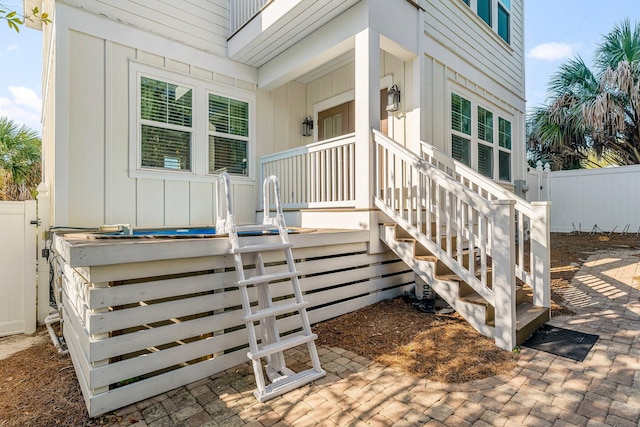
{"type": "Point", "coordinates": [562, 342]}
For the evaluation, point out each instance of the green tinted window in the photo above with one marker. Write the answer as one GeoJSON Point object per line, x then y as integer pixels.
{"type": "Point", "coordinates": [484, 10]}
{"type": "Point", "coordinates": [504, 27]}
{"type": "Point", "coordinates": [460, 114]}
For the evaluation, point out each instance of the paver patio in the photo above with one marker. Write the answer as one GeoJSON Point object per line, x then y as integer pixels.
{"type": "Point", "coordinates": [544, 390]}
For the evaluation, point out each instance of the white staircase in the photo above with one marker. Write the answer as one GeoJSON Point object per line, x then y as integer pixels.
{"type": "Point", "coordinates": [472, 241]}
{"type": "Point", "coordinates": [272, 345]}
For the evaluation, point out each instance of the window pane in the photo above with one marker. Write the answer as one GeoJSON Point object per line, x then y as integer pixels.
{"type": "Point", "coordinates": [460, 149]}
{"type": "Point", "coordinates": [485, 160]}
{"type": "Point", "coordinates": [227, 155]}
{"type": "Point", "coordinates": [504, 133]}
{"type": "Point", "coordinates": [165, 148]}
{"type": "Point", "coordinates": [460, 114]}
{"type": "Point", "coordinates": [504, 167]}
{"type": "Point", "coordinates": [503, 24]}
{"type": "Point", "coordinates": [228, 115]}
{"type": "Point", "coordinates": [165, 102]}
{"type": "Point", "coordinates": [507, 4]}
{"type": "Point", "coordinates": [484, 10]}
{"type": "Point", "coordinates": [485, 125]}
{"type": "Point", "coordinates": [466, 2]}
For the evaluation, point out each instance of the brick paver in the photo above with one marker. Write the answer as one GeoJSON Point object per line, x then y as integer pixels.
{"type": "Point", "coordinates": [544, 390]}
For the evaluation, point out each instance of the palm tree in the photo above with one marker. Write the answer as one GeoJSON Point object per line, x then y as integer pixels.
{"type": "Point", "coordinates": [594, 112]}
{"type": "Point", "coordinates": [19, 160]}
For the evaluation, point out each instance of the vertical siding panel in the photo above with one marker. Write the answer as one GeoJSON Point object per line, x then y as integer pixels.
{"type": "Point", "coordinates": [86, 130]}
{"type": "Point", "coordinates": [201, 203]}
{"type": "Point", "coordinates": [150, 202]}
{"type": "Point", "coordinates": [120, 189]}
{"type": "Point", "coordinates": [176, 203]}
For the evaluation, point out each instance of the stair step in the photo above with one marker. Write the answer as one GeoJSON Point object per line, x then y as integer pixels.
{"type": "Point", "coordinates": [269, 278]}
{"type": "Point", "coordinates": [261, 248]}
{"type": "Point", "coordinates": [282, 345]}
{"type": "Point", "coordinates": [430, 258]}
{"type": "Point", "coordinates": [275, 311]}
{"type": "Point", "coordinates": [455, 278]}
{"type": "Point", "coordinates": [286, 384]}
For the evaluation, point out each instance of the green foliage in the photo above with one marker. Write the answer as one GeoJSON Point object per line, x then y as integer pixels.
{"type": "Point", "coordinates": [15, 20]}
{"type": "Point", "coordinates": [19, 160]}
{"type": "Point", "coordinates": [592, 115]}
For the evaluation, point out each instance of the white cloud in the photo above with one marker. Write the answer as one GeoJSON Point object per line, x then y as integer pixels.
{"type": "Point", "coordinates": [552, 51]}
{"type": "Point", "coordinates": [23, 106]}
{"type": "Point", "coordinates": [12, 47]}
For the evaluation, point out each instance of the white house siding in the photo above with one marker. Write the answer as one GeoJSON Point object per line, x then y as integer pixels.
{"type": "Point", "coordinates": [203, 24]}
{"type": "Point", "coordinates": [89, 170]}
{"type": "Point", "coordinates": [464, 54]}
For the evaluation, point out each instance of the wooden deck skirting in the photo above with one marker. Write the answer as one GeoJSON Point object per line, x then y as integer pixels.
{"type": "Point", "coordinates": [142, 317]}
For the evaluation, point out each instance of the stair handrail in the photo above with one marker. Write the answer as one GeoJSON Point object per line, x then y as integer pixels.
{"type": "Point", "coordinates": [538, 277]}
{"type": "Point", "coordinates": [458, 168]}
{"type": "Point", "coordinates": [479, 203]}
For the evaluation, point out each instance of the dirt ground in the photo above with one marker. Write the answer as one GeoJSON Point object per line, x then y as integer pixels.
{"type": "Point", "coordinates": [38, 386]}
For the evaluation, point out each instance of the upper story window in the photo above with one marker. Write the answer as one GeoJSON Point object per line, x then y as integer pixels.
{"type": "Point", "coordinates": [474, 130]}
{"type": "Point", "coordinates": [496, 14]}
{"type": "Point", "coordinates": [186, 128]}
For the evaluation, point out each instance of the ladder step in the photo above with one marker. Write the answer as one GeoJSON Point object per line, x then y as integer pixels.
{"type": "Point", "coordinates": [284, 344]}
{"type": "Point", "coordinates": [275, 311]}
{"type": "Point", "coordinates": [260, 248]}
{"type": "Point", "coordinates": [269, 278]}
{"type": "Point", "coordinates": [256, 227]}
{"type": "Point", "coordinates": [284, 385]}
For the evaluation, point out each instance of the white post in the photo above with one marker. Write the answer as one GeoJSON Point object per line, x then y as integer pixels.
{"type": "Point", "coordinates": [541, 253]}
{"type": "Point", "coordinates": [546, 181]}
{"type": "Point", "coordinates": [539, 176]}
{"type": "Point", "coordinates": [29, 266]}
{"type": "Point", "coordinates": [504, 276]}
{"type": "Point", "coordinates": [43, 263]}
{"type": "Point", "coordinates": [367, 100]}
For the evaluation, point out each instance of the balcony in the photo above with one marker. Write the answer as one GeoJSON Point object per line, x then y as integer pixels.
{"type": "Point", "coordinates": [263, 29]}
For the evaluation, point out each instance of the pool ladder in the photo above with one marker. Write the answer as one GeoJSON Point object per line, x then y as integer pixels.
{"type": "Point", "coordinates": [272, 344]}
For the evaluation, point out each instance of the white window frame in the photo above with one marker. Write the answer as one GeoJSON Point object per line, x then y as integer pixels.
{"type": "Point", "coordinates": [472, 6]}
{"type": "Point", "coordinates": [475, 139]}
{"type": "Point", "coordinates": [200, 124]}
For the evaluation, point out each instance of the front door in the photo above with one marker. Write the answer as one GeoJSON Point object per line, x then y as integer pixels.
{"type": "Point", "coordinates": [340, 120]}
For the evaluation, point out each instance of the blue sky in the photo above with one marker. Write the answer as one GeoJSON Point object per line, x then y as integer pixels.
{"type": "Point", "coordinates": [555, 30]}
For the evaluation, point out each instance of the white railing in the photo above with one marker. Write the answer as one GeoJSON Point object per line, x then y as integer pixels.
{"type": "Point", "coordinates": [442, 213]}
{"type": "Point", "coordinates": [318, 175]}
{"type": "Point", "coordinates": [243, 10]}
{"type": "Point", "coordinates": [532, 221]}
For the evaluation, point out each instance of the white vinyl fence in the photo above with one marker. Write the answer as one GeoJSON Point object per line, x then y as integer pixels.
{"type": "Point", "coordinates": [17, 267]}
{"type": "Point", "coordinates": [600, 200]}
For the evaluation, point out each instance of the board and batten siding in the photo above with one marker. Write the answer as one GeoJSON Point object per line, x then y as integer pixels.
{"type": "Point", "coordinates": [463, 54]}
{"type": "Point", "coordinates": [137, 329]}
{"type": "Point", "coordinates": [90, 178]}
{"type": "Point", "coordinates": [455, 32]}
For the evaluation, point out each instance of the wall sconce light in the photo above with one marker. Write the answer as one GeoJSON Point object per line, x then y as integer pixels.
{"type": "Point", "coordinates": [393, 99]}
{"type": "Point", "coordinates": [307, 126]}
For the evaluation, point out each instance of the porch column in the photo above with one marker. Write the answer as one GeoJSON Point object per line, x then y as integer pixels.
{"type": "Point", "coordinates": [367, 99]}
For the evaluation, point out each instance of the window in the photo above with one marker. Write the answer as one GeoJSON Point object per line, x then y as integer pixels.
{"type": "Point", "coordinates": [165, 125]}
{"type": "Point", "coordinates": [228, 135]}
{"type": "Point", "coordinates": [185, 128]}
{"type": "Point", "coordinates": [485, 10]}
{"type": "Point", "coordinates": [460, 114]}
{"type": "Point", "coordinates": [504, 142]}
{"type": "Point", "coordinates": [475, 130]}
{"type": "Point", "coordinates": [504, 27]}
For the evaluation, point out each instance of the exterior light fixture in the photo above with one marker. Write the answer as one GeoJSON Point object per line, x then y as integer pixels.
{"type": "Point", "coordinates": [307, 126]}
{"type": "Point", "coordinates": [393, 99]}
